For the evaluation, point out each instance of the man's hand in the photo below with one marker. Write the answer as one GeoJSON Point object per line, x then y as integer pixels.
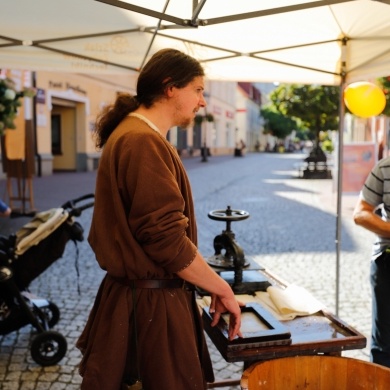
{"type": "Point", "coordinates": [219, 306]}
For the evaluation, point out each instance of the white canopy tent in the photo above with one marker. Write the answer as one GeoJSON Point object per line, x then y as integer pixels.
{"type": "Point", "coordinates": [268, 40]}
{"type": "Point", "coordinates": [313, 42]}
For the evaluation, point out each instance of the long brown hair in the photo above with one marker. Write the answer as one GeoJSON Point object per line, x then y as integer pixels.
{"type": "Point", "coordinates": [166, 68]}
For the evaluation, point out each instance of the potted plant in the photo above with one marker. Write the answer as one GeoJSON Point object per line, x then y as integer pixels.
{"type": "Point", "coordinates": [10, 100]}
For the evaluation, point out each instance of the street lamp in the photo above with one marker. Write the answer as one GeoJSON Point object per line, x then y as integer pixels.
{"type": "Point", "coordinates": [204, 147]}
{"type": "Point", "coordinates": [205, 118]}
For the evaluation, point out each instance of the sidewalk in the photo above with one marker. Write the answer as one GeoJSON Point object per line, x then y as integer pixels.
{"type": "Point", "coordinates": [291, 231]}
{"type": "Point", "coordinates": [49, 192]}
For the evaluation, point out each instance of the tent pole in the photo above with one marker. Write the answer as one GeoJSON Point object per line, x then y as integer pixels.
{"type": "Point", "coordinates": [340, 175]}
{"type": "Point", "coordinates": [339, 195]}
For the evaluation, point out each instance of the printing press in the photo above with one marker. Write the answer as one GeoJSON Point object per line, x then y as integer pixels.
{"type": "Point", "coordinates": [229, 260]}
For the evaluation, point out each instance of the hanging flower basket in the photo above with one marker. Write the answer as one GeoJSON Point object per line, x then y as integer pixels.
{"type": "Point", "coordinates": [200, 118]}
{"type": "Point", "coordinates": [209, 117]}
{"type": "Point", "coordinates": [10, 100]}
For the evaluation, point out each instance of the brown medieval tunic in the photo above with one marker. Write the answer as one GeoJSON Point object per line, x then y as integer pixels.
{"type": "Point", "coordinates": [143, 227]}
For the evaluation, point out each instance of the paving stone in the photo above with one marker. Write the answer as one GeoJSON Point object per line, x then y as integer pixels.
{"type": "Point", "coordinates": [291, 230]}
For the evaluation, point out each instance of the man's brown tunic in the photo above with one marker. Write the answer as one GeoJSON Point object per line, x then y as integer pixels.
{"type": "Point", "coordinates": [143, 227]}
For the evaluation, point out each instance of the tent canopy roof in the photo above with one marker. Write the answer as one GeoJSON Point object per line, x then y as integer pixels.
{"type": "Point", "coordinates": [271, 40]}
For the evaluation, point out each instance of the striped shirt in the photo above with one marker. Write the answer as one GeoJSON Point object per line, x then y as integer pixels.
{"type": "Point", "coordinates": [376, 192]}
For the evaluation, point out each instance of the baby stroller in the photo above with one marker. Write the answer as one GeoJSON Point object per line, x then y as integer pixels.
{"type": "Point", "coordinates": [23, 257]}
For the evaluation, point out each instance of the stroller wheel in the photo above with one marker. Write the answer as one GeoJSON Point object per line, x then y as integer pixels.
{"type": "Point", "coordinates": [5, 310]}
{"type": "Point", "coordinates": [48, 348]}
{"type": "Point", "coordinates": [11, 317]}
{"type": "Point", "coordinates": [49, 314]}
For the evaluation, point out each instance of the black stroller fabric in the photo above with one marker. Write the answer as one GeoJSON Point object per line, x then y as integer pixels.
{"type": "Point", "coordinates": [41, 242]}
{"type": "Point", "coordinates": [38, 258]}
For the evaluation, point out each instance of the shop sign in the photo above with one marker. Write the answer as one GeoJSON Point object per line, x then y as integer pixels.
{"type": "Point", "coordinates": [41, 96]}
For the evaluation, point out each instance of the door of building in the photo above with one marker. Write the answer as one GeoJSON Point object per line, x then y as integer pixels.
{"type": "Point", "coordinates": [63, 136]}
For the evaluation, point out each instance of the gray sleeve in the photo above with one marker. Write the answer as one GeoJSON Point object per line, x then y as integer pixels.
{"type": "Point", "coordinates": [372, 191]}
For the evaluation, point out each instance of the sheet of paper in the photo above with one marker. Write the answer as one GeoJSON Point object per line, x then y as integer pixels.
{"type": "Point", "coordinates": [294, 300]}
{"type": "Point", "coordinates": [283, 303]}
{"type": "Point", "coordinates": [244, 298]}
{"type": "Point", "coordinates": [263, 298]}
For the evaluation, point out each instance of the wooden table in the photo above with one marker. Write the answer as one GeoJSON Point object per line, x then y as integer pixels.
{"type": "Point", "coordinates": [320, 333]}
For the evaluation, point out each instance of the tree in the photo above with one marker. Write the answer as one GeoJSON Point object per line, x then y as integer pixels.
{"type": "Point", "coordinates": [277, 124]}
{"type": "Point", "coordinates": [10, 100]}
{"type": "Point", "coordinates": [384, 82]}
{"type": "Point", "coordinates": [316, 106]}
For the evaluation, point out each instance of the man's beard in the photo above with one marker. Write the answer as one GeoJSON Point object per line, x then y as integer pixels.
{"type": "Point", "coordinates": [186, 123]}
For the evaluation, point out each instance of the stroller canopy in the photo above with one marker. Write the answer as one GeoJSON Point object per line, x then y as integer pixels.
{"type": "Point", "coordinates": [41, 226]}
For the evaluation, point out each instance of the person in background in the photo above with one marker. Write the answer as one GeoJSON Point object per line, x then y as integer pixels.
{"type": "Point", "coordinates": [5, 210]}
{"type": "Point", "coordinates": [372, 212]}
{"type": "Point", "coordinates": [145, 329]}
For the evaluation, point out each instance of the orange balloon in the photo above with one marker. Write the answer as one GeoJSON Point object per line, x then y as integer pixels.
{"type": "Point", "coordinates": [364, 99]}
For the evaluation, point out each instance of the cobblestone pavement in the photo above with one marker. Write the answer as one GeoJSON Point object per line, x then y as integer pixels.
{"type": "Point", "coordinates": [291, 231]}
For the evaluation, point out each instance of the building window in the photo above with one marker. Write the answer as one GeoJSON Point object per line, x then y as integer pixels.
{"type": "Point", "coordinates": [56, 148]}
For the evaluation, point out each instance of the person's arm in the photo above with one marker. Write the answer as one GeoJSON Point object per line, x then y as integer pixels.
{"type": "Point", "coordinates": [202, 275]}
{"type": "Point", "coordinates": [364, 215]}
{"type": "Point", "coordinates": [5, 210]}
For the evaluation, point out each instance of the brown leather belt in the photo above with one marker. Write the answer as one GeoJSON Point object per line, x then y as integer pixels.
{"type": "Point", "coordinates": [154, 283]}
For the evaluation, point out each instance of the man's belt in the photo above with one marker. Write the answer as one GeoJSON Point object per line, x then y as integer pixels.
{"type": "Point", "coordinates": [154, 283]}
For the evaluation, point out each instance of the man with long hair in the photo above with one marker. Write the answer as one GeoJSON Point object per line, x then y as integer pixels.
{"type": "Point", "coordinates": [145, 329]}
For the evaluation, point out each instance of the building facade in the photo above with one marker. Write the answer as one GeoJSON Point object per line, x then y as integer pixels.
{"type": "Point", "coordinates": [63, 113]}
{"type": "Point", "coordinates": [249, 122]}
